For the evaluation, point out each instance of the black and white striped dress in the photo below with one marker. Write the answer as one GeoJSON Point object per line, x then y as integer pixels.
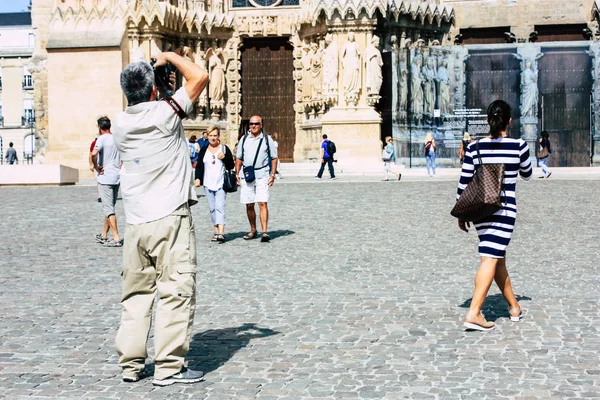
{"type": "Point", "coordinates": [496, 230]}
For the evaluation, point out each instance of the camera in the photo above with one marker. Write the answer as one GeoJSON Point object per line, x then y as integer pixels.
{"type": "Point", "coordinates": [161, 77]}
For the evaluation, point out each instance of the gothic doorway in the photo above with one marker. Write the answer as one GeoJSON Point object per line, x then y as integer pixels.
{"type": "Point", "coordinates": [492, 75]}
{"type": "Point", "coordinates": [565, 82]}
{"type": "Point", "coordinates": [268, 89]}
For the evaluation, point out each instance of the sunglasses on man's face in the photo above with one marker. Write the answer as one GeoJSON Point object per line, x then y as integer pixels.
{"type": "Point", "coordinates": [254, 123]}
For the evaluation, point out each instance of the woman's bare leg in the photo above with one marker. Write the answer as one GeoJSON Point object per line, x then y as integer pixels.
{"type": "Point", "coordinates": [503, 281]}
{"type": "Point", "coordinates": [483, 281]}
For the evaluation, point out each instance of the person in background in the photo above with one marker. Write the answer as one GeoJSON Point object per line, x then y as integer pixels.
{"type": "Point", "coordinates": [194, 148]}
{"type": "Point", "coordinates": [275, 137]}
{"type": "Point", "coordinates": [213, 160]}
{"type": "Point", "coordinates": [11, 155]}
{"type": "Point", "coordinates": [430, 149]}
{"type": "Point", "coordinates": [463, 146]}
{"type": "Point", "coordinates": [390, 161]}
{"type": "Point", "coordinates": [496, 230]}
{"type": "Point", "coordinates": [203, 142]}
{"type": "Point", "coordinates": [257, 150]}
{"type": "Point", "coordinates": [326, 158]}
{"type": "Point", "coordinates": [107, 163]}
{"type": "Point", "coordinates": [545, 144]}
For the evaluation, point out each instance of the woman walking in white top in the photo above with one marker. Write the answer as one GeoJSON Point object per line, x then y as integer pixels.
{"type": "Point", "coordinates": [389, 158]}
{"type": "Point", "coordinates": [213, 160]}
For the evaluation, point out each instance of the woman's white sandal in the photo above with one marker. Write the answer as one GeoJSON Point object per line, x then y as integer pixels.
{"type": "Point", "coordinates": [515, 318]}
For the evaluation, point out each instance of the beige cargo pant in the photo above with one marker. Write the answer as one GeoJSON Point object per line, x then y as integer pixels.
{"type": "Point", "coordinates": [158, 257]}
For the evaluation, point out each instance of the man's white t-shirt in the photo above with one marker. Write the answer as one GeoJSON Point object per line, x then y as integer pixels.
{"type": "Point", "coordinates": [157, 176]}
{"type": "Point", "coordinates": [109, 159]}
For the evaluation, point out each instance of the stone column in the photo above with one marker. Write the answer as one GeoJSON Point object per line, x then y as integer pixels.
{"type": "Point", "coordinates": [41, 14]}
{"type": "Point", "coordinates": [353, 124]}
{"type": "Point", "coordinates": [595, 53]}
{"type": "Point", "coordinates": [529, 54]}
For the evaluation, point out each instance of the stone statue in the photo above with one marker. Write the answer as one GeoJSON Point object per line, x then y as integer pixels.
{"type": "Point", "coordinates": [306, 75]}
{"type": "Point", "coordinates": [429, 75]}
{"type": "Point", "coordinates": [330, 68]}
{"type": "Point", "coordinates": [374, 62]}
{"type": "Point", "coordinates": [316, 66]}
{"type": "Point", "coordinates": [403, 87]}
{"type": "Point", "coordinates": [529, 90]}
{"type": "Point", "coordinates": [217, 77]}
{"type": "Point", "coordinates": [351, 62]}
{"type": "Point", "coordinates": [395, 87]}
{"type": "Point", "coordinates": [200, 60]}
{"type": "Point", "coordinates": [443, 77]}
{"type": "Point", "coordinates": [416, 97]}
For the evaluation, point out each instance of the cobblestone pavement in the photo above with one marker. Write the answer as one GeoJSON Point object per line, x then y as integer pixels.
{"type": "Point", "coordinates": [361, 294]}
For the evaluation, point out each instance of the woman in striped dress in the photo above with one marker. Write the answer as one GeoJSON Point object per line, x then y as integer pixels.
{"type": "Point", "coordinates": [496, 230]}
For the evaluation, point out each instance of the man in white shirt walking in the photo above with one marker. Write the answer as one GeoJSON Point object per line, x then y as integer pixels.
{"type": "Point", "coordinates": [107, 163]}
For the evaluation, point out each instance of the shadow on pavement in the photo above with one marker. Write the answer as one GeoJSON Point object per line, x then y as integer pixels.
{"type": "Point", "coordinates": [273, 234]}
{"type": "Point", "coordinates": [211, 349]}
{"type": "Point", "coordinates": [495, 306]}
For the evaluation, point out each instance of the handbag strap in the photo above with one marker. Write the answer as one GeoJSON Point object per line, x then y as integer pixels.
{"type": "Point", "coordinates": [257, 150]}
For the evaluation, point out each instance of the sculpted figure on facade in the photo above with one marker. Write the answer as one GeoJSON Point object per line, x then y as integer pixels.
{"type": "Point", "coordinates": [429, 75]}
{"type": "Point", "coordinates": [403, 90]}
{"type": "Point", "coordinates": [217, 78]}
{"type": "Point", "coordinates": [316, 66]}
{"type": "Point", "coordinates": [443, 77]}
{"type": "Point", "coordinates": [529, 90]}
{"type": "Point", "coordinates": [416, 89]}
{"type": "Point", "coordinates": [374, 62]}
{"type": "Point", "coordinates": [200, 60]}
{"type": "Point", "coordinates": [395, 74]}
{"type": "Point", "coordinates": [351, 61]}
{"type": "Point", "coordinates": [306, 75]}
{"type": "Point", "coordinates": [330, 69]}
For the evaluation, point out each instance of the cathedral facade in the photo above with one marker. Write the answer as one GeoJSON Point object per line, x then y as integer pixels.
{"type": "Point", "coordinates": [358, 70]}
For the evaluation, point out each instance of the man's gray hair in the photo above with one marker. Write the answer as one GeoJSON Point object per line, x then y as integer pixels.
{"type": "Point", "coordinates": [137, 80]}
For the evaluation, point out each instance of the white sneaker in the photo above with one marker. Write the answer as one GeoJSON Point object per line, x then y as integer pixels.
{"type": "Point", "coordinates": [183, 376]}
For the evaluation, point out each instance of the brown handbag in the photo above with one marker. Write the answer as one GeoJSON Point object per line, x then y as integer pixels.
{"type": "Point", "coordinates": [543, 153]}
{"type": "Point", "coordinates": [483, 195]}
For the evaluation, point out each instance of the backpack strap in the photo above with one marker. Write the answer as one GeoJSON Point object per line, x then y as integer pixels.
{"type": "Point", "coordinates": [176, 107]}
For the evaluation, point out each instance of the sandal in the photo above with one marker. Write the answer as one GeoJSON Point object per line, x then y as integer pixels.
{"type": "Point", "coordinates": [215, 237]}
{"type": "Point", "coordinates": [265, 238]}
{"type": "Point", "coordinates": [514, 316]}
{"type": "Point", "coordinates": [251, 235]}
{"type": "Point", "coordinates": [220, 238]}
{"type": "Point", "coordinates": [479, 324]}
{"type": "Point", "coordinates": [100, 239]}
{"type": "Point", "coordinates": [113, 243]}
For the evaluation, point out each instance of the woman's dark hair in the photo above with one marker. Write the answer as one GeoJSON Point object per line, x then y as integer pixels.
{"type": "Point", "coordinates": [498, 116]}
{"type": "Point", "coordinates": [193, 139]}
{"type": "Point", "coordinates": [545, 134]}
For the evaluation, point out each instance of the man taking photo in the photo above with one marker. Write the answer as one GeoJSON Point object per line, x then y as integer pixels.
{"type": "Point", "coordinates": [159, 252]}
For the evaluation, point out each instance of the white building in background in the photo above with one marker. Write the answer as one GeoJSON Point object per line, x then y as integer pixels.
{"type": "Point", "coordinates": [16, 84]}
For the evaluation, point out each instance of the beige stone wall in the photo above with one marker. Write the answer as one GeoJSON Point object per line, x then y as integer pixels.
{"type": "Point", "coordinates": [520, 15]}
{"type": "Point", "coordinates": [84, 84]}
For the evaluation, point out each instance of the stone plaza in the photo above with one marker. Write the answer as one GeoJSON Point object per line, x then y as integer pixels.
{"type": "Point", "coordinates": [360, 294]}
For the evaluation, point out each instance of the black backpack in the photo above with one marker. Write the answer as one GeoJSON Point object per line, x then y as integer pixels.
{"type": "Point", "coordinates": [331, 148]}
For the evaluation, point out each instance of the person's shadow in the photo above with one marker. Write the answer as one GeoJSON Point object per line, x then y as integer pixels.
{"type": "Point", "coordinates": [211, 349]}
{"type": "Point", "coordinates": [495, 306]}
{"type": "Point", "coordinates": [273, 234]}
